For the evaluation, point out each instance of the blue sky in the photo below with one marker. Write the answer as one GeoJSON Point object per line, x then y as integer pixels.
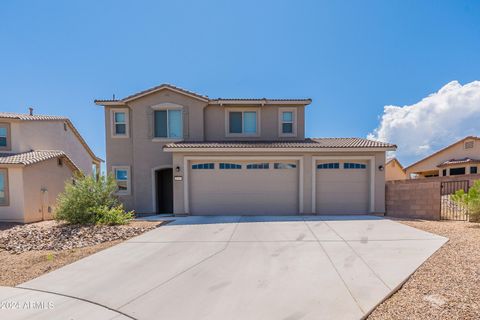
{"type": "Point", "coordinates": [351, 57]}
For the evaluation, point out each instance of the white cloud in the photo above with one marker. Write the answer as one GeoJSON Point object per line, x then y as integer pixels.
{"type": "Point", "coordinates": [432, 123]}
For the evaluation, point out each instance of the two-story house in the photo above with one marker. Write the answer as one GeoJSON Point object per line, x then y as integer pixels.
{"type": "Point", "coordinates": [172, 150]}
{"type": "Point", "coordinates": [38, 154]}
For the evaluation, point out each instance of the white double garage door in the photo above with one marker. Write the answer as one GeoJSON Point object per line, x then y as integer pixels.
{"type": "Point", "coordinates": [275, 187]}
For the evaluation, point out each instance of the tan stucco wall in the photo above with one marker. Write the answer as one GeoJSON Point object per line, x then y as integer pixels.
{"type": "Point", "coordinates": [269, 124]}
{"type": "Point", "coordinates": [393, 171]}
{"type": "Point", "coordinates": [144, 155]}
{"type": "Point", "coordinates": [379, 204]}
{"type": "Point", "coordinates": [47, 175]}
{"type": "Point", "coordinates": [14, 211]}
{"type": "Point", "coordinates": [50, 135]}
{"type": "Point", "coordinates": [456, 151]}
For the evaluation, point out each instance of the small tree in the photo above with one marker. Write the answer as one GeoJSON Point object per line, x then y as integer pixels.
{"type": "Point", "coordinates": [470, 201]}
{"type": "Point", "coordinates": [88, 200]}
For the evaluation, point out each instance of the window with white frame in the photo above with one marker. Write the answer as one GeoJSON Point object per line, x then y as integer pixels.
{"type": "Point", "coordinates": [242, 123]}
{"type": "Point", "coordinates": [120, 123]}
{"type": "Point", "coordinates": [122, 177]}
{"type": "Point", "coordinates": [4, 136]}
{"type": "Point", "coordinates": [168, 124]}
{"type": "Point", "coordinates": [287, 126]}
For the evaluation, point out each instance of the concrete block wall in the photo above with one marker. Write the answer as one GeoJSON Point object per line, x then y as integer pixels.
{"type": "Point", "coordinates": [418, 198]}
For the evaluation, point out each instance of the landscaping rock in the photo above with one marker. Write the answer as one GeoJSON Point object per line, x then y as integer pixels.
{"type": "Point", "coordinates": [51, 235]}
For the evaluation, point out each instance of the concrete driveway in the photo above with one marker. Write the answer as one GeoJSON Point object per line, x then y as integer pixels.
{"type": "Point", "coordinates": [299, 267]}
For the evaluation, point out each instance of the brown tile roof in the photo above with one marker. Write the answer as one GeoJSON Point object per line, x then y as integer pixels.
{"type": "Point", "coordinates": [199, 96]}
{"type": "Point", "coordinates": [21, 116]}
{"type": "Point", "coordinates": [441, 150]}
{"type": "Point", "coordinates": [314, 143]}
{"type": "Point", "coordinates": [32, 157]}
{"type": "Point", "coordinates": [28, 117]}
{"type": "Point", "coordinates": [458, 161]}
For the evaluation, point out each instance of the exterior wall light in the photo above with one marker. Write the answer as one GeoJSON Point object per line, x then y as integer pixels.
{"type": "Point", "coordinates": [177, 169]}
{"type": "Point", "coordinates": [380, 168]}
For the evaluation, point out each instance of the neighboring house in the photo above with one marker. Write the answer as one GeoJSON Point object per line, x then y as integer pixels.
{"type": "Point", "coordinates": [172, 150]}
{"type": "Point", "coordinates": [394, 170]}
{"type": "Point", "coordinates": [37, 155]}
{"type": "Point", "coordinates": [459, 158]}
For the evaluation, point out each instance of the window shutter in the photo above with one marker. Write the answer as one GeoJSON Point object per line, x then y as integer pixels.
{"type": "Point", "coordinates": [150, 123]}
{"type": "Point", "coordinates": [185, 123]}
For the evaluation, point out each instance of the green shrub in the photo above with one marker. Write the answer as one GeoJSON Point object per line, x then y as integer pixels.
{"type": "Point", "coordinates": [470, 201]}
{"type": "Point", "coordinates": [112, 216]}
{"type": "Point", "coordinates": [88, 200]}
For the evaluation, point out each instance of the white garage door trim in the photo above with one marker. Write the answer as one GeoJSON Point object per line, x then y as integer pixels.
{"type": "Point", "coordinates": [371, 159]}
{"type": "Point", "coordinates": [186, 196]}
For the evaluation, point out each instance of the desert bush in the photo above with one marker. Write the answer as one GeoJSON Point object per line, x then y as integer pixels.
{"type": "Point", "coordinates": [470, 201]}
{"type": "Point", "coordinates": [88, 200]}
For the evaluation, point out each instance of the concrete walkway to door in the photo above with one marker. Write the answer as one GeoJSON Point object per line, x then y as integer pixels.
{"type": "Point", "coordinates": [216, 268]}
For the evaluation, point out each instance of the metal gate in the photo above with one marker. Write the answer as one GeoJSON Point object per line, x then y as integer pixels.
{"type": "Point", "coordinates": [450, 210]}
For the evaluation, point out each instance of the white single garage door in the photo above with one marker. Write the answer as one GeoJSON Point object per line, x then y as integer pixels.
{"type": "Point", "coordinates": [342, 187]}
{"type": "Point", "coordinates": [243, 188]}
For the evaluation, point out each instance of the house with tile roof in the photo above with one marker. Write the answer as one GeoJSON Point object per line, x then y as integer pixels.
{"type": "Point", "coordinates": [172, 150]}
{"type": "Point", "coordinates": [460, 158]}
{"type": "Point", "coordinates": [394, 170]}
{"type": "Point", "coordinates": [38, 154]}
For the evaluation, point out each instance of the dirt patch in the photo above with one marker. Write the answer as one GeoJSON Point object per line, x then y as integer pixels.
{"type": "Point", "coordinates": [16, 268]}
{"type": "Point", "coordinates": [447, 285]}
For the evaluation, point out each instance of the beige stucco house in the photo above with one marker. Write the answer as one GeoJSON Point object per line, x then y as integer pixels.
{"type": "Point", "coordinates": [394, 170]}
{"type": "Point", "coordinates": [175, 151]}
{"type": "Point", "coordinates": [37, 155]}
{"type": "Point", "coordinates": [459, 158]}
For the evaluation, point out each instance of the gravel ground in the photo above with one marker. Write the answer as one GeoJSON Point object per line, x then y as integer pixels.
{"type": "Point", "coordinates": [52, 235]}
{"type": "Point", "coordinates": [20, 265]}
{"type": "Point", "coordinates": [447, 285]}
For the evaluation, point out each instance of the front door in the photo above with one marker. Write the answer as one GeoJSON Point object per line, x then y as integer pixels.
{"type": "Point", "coordinates": [164, 191]}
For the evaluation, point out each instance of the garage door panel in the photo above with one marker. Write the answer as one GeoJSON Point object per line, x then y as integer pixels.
{"type": "Point", "coordinates": [243, 191]}
{"type": "Point", "coordinates": [342, 191]}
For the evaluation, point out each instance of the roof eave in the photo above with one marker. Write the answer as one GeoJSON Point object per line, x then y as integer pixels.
{"type": "Point", "coordinates": [233, 102]}
{"type": "Point", "coordinates": [198, 149]}
{"type": "Point", "coordinates": [104, 103]}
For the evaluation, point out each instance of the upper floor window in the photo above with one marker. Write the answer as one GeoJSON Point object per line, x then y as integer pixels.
{"type": "Point", "coordinates": [4, 136]}
{"type": "Point", "coordinates": [122, 177]}
{"type": "Point", "coordinates": [120, 123]}
{"type": "Point", "coordinates": [3, 187]}
{"type": "Point", "coordinates": [243, 122]}
{"type": "Point", "coordinates": [168, 124]}
{"type": "Point", "coordinates": [287, 122]}
{"type": "Point", "coordinates": [473, 170]}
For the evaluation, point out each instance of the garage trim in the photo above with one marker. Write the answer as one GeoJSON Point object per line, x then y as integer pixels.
{"type": "Point", "coordinates": [186, 168]}
{"type": "Point", "coordinates": [371, 159]}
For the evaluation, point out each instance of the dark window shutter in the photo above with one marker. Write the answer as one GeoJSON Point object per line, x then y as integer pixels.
{"type": "Point", "coordinates": [150, 123]}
